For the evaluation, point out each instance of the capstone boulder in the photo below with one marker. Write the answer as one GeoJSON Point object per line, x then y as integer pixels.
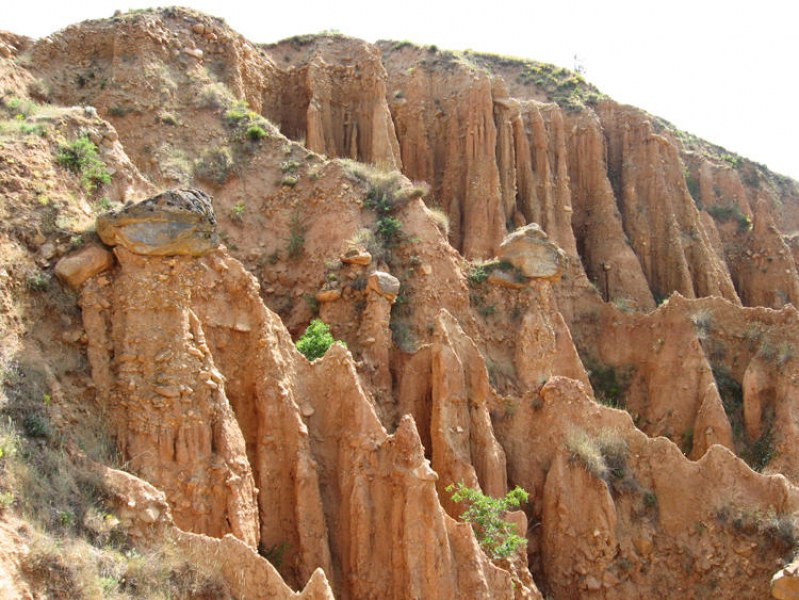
{"type": "Point", "coordinates": [175, 222]}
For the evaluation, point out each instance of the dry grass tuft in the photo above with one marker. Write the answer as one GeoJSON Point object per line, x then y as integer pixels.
{"type": "Point", "coordinates": [602, 455]}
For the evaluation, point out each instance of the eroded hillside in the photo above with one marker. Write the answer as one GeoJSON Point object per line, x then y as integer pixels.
{"type": "Point", "coordinates": [536, 287]}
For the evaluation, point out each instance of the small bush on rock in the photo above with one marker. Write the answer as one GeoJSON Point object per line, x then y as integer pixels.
{"type": "Point", "coordinates": [478, 272]}
{"type": "Point", "coordinates": [316, 340]}
{"type": "Point", "coordinates": [495, 535]}
{"type": "Point", "coordinates": [255, 133]}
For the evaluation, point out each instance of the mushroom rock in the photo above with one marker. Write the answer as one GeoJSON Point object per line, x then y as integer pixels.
{"type": "Point", "coordinates": [176, 222]}
{"type": "Point", "coordinates": [530, 250]}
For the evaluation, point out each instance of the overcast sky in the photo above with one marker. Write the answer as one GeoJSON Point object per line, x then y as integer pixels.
{"type": "Point", "coordinates": [723, 70]}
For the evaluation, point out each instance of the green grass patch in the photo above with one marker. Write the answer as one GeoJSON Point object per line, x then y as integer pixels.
{"type": "Point", "coordinates": [81, 157]}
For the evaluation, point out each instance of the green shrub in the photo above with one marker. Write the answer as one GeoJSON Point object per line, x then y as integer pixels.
{"type": "Point", "coordinates": [687, 442]}
{"type": "Point", "coordinates": [487, 310]}
{"type": "Point", "coordinates": [760, 452]}
{"type": "Point", "coordinates": [6, 499]}
{"type": "Point", "coordinates": [703, 322]}
{"type": "Point", "coordinates": [168, 118]}
{"type": "Point", "coordinates": [402, 335]}
{"type": "Point", "coordinates": [386, 190]}
{"type": "Point", "coordinates": [316, 340]}
{"type": "Point", "coordinates": [388, 230]}
{"type": "Point", "coordinates": [19, 108]}
{"type": "Point", "coordinates": [36, 425]}
{"type": "Point", "coordinates": [238, 112]}
{"type": "Point", "coordinates": [609, 384]}
{"type": "Point", "coordinates": [103, 204]}
{"type": "Point", "coordinates": [247, 123]}
{"type": "Point", "coordinates": [289, 166]}
{"type": "Point", "coordinates": [779, 354]}
{"type": "Point", "coordinates": [33, 129]}
{"type": "Point", "coordinates": [731, 392]}
{"type": "Point", "coordinates": [693, 187]}
{"type": "Point", "coordinates": [757, 453]}
{"type": "Point", "coordinates": [495, 535]}
{"type": "Point", "coordinates": [255, 133]}
{"type": "Point", "coordinates": [37, 282]}
{"type": "Point", "coordinates": [214, 96]}
{"type": "Point", "coordinates": [779, 530]}
{"type": "Point", "coordinates": [274, 554]}
{"type": "Point", "coordinates": [81, 158]}
{"type": "Point", "coordinates": [733, 160]}
{"type": "Point", "coordinates": [478, 272]}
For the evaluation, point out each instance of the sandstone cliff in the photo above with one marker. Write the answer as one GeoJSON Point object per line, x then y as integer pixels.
{"type": "Point", "coordinates": [515, 342]}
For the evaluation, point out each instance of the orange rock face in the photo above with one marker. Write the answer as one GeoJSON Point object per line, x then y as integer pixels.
{"type": "Point", "coordinates": [165, 397]}
{"type": "Point", "coordinates": [608, 535]}
{"type": "Point", "coordinates": [467, 358]}
{"type": "Point", "coordinates": [307, 431]}
{"type": "Point", "coordinates": [452, 147]}
{"type": "Point", "coordinates": [669, 239]}
{"type": "Point", "coordinates": [338, 101]}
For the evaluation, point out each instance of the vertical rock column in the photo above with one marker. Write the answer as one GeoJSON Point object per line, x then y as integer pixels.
{"type": "Point", "coordinates": [375, 336]}
{"type": "Point", "coordinates": [342, 91]}
{"type": "Point", "coordinates": [453, 148]}
{"type": "Point", "coordinates": [154, 372]}
{"type": "Point", "coordinates": [464, 447]}
{"type": "Point", "coordinates": [265, 379]}
{"type": "Point", "coordinates": [165, 398]}
{"type": "Point", "coordinates": [658, 213]}
{"type": "Point", "coordinates": [388, 534]}
{"type": "Point", "coordinates": [606, 254]}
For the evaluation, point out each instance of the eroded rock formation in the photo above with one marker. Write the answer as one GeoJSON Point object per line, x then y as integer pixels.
{"type": "Point", "coordinates": [157, 379]}
{"type": "Point", "coordinates": [308, 431]}
{"type": "Point", "coordinates": [491, 372]}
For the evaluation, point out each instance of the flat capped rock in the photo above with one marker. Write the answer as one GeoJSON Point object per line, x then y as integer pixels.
{"type": "Point", "coordinates": [530, 250]}
{"type": "Point", "coordinates": [356, 256]}
{"type": "Point", "coordinates": [173, 222]}
{"type": "Point", "coordinates": [384, 284]}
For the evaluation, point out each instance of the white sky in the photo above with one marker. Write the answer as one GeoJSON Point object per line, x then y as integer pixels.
{"type": "Point", "coordinates": [725, 71]}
